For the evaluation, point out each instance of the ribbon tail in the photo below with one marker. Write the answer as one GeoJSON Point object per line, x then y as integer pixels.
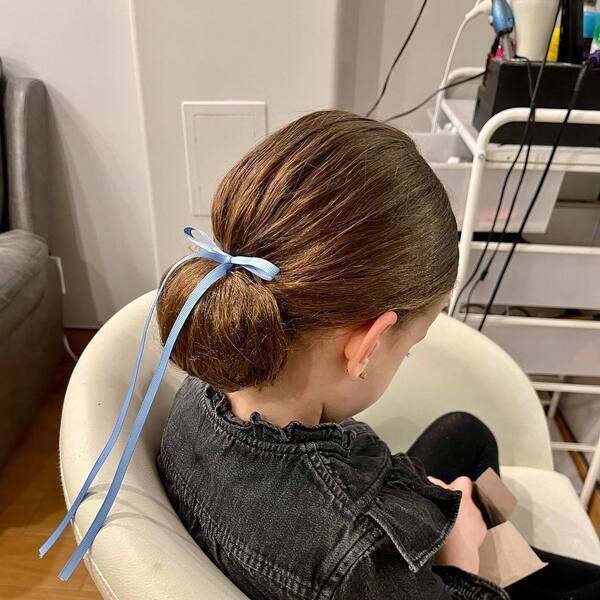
{"type": "Point", "coordinates": [140, 419]}
{"type": "Point", "coordinates": [118, 425]}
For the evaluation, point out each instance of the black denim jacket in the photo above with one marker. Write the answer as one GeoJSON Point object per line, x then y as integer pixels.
{"type": "Point", "coordinates": [308, 511]}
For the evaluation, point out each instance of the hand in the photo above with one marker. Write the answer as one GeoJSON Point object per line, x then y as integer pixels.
{"type": "Point", "coordinates": [461, 548]}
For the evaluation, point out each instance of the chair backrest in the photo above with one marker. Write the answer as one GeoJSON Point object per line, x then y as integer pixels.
{"type": "Point", "coordinates": [143, 533]}
{"type": "Point", "coordinates": [143, 550]}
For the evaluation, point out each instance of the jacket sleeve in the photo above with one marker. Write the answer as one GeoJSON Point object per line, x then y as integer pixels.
{"type": "Point", "coordinates": [380, 573]}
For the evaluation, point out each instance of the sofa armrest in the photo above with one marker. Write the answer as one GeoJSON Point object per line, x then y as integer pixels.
{"type": "Point", "coordinates": [27, 154]}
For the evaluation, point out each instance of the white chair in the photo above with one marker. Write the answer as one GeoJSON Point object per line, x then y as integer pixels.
{"type": "Point", "coordinates": [143, 551]}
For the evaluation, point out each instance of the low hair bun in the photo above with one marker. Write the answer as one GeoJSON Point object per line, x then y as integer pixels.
{"type": "Point", "coordinates": [235, 336]}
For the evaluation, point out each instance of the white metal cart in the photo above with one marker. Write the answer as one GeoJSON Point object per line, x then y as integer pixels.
{"type": "Point", "coordinates": [539, 275]}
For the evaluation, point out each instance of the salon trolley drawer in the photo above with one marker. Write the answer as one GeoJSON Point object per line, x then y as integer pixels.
{"type": "Point", "coordinates": [452, 161]}
{"type": "Point", "coordinates": [547, 346]}
{"type": "Point", "coordinates": [541, 275]}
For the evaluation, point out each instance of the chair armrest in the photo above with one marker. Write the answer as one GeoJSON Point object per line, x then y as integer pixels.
{"type": "Point", "coordinates": [27, 154]}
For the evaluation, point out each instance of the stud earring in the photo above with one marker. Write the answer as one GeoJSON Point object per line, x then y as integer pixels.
{"type": "Point", "coordinates": [363, 374]}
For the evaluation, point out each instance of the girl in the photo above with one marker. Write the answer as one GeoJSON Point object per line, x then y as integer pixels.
{"type": "Point", "coordinates": [288, 495]}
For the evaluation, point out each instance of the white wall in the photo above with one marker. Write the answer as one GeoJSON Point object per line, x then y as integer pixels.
{"type": "Point", "coordinates": [279, 52]}
{"type": "Point", "coordinates": [88, 54]}
{"type": "Point", "coordinates": [117, 70]}
{"type": "Point", "coordinates": [360, 31]}
{"type": "Point", "coordinates": [100, 223]}
{"type": "Point", "coordinates": [295, 56]}
{"type": "Point", "coordinates": [421, 67]}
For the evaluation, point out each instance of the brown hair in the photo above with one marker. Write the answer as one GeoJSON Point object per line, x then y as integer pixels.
{"type": "Point", "coordinates": [357, 223]}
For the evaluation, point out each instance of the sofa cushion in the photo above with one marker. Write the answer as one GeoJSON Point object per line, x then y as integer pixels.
{"type": "Point", "coordinates": [22, 256]}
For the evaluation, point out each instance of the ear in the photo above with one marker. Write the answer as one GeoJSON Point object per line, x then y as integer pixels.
{"type": "Point", "coordinates": [364, 341]}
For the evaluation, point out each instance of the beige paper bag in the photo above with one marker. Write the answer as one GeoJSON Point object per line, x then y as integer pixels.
{"type": "Point", "coordinates": [504, 557]}
{"type": "Point", "coordinates": [495, 498]}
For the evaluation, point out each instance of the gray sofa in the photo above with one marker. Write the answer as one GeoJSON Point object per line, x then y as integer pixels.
{"type": "Point", "coordinates": [31, 327]}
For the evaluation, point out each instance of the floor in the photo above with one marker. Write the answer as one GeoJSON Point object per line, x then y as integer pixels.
{"type": "Point", "coordinates": [31, 505]}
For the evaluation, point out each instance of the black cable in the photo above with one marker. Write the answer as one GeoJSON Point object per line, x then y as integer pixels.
{"type": "Point", "coordinates": [495, 46]}
{"type": "Point", "coordinates": [529, 76]}
{"type": "Point", "coordinates": [527, 130]}
{"type": "Point", "coordinates": [529, 125]}
{"type": "Point", "coordinates": [400, 52]}
{"type": "Point", "coordinates": [486, 269]}
{"type": "Point", "coordinates": [433, 95]}
{"type": "Point", "coordinates": [481, 258]}
{"type": "Point", "coordinates": [468, 306]}
{"type": "Point", "coordinates": [498, 243]}
{"type": "Point", "coordinates": [582, 73]}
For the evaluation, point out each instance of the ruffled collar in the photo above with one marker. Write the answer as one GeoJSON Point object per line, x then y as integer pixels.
{"type": "Point", "coordinates": [256, 426]}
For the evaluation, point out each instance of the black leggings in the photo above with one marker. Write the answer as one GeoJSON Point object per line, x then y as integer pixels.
{"type": "Point", "coordinates": [460, 444]}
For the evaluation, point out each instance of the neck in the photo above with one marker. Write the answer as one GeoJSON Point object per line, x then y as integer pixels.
{"type": "Point", "coordinates": [279, 412]}
{"type": "Point", "coordinates": [297, 395]}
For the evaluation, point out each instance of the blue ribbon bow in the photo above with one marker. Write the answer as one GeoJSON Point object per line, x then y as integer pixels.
{"type": "Point", "coordinates": [208, 249]}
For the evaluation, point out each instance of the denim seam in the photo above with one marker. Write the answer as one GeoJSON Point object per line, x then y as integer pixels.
{"type": "Point", "coordinates": [227, 540]}
{"type": "Point", "coordinates": [426, 554]}
{"type": "Point", "coordinates": [325, 476]}
{"type": "Point", "coordinates": [241, 556]}
{"type": "Point", "coordinates": [249, 558]}
{"type": "Point", "coordinates": [346, 563]}
{"type": "Point", "coordinates": [371, 491]}
{"type": "Point", "coordinates": [333, 451]}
